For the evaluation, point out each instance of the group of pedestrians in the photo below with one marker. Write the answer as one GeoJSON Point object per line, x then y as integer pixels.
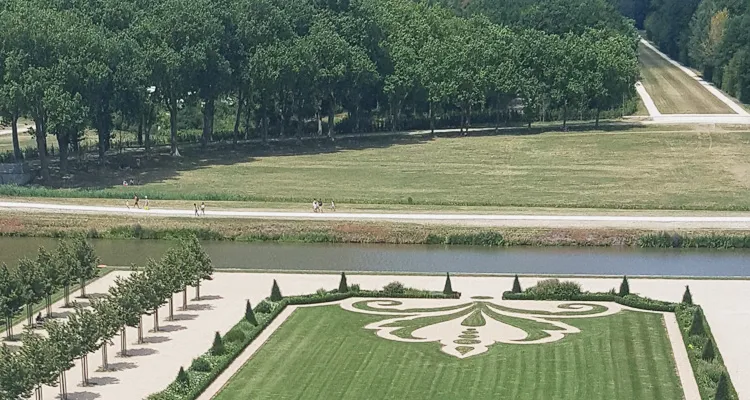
{"type": "Point", "coordinates": [203, 209]}
{"type": "Point", "coordinates": [137, 202]}
{"type": "Point", "coordinates": [318, 206]}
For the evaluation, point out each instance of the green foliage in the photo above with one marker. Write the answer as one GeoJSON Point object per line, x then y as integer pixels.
{"type": "Point", "coordinates": [722, 388]}
{"type": "Point", "coordinates": [554, 288]}
{"type": "Point", "coordinates": [394, 288]}
{"type": "Point", "coordinates": [276, 292]}
{"type": "Point", "coordinates": [200, 364]}
{"type": "Point", "coordinates": [343, 286]}
{"type": "Point", "coordinates": [217, 348]}
{"type": "Point", "coordinates": [708, 353]}
{"type": "Point", "coordinates": [448, 288]}
{"type": "Point", "coordinates": [182, 377]}
{"type": "Point", "coordinates": [712, 241]}
{"type": "Point", "coordinates": [696, 327]}
{"type": "Point", "coordinates": [264, 307]}
{"type": "Point", "coordinates": [249, 314]}
{"type": "Point", "coordinates": [687, 297]}
{"type": "Point", "coordinates": [234, 336]}
{"type": "Point", "coordinates": [354, 288]}
{"type": "Point", "coordinates": [624, 287]}
{"type": "Point", "coordinates": [516, 285]}
{"type": "Point", "coordinates": [468, 239]}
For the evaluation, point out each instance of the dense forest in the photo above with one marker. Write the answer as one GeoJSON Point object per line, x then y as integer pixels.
{"type": "Point", "coordinates": [239, 69]}
{"type": "Point", "coordinates": [710, 35]}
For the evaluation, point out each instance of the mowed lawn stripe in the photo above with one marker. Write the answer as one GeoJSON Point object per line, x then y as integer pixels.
{"type": "Point", "coordinates": [324, 353]}
{"type": "Point", "coordinates": [673, 91]}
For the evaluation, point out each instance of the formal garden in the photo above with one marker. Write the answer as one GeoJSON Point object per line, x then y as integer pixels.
{"type": "Point", "coordinates": [433, 345]}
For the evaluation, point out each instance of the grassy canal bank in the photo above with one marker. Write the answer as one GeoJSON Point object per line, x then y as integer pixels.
{"type": "Point", "coordinates": [22, 224]}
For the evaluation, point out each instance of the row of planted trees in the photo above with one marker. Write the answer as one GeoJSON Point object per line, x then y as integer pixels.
{"type": "Point", "coordinates": [44, 360]}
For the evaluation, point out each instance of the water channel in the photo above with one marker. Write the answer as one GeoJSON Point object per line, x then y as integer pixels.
{"type": "Point", "coordinates": [421, 259]}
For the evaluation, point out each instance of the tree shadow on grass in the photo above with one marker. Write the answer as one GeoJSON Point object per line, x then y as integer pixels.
{"type": "Point", "coordinates": [162, 167]}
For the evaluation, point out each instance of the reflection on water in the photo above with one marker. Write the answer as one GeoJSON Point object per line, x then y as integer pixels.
{"type": "Point", "coordinates": [411, 258]}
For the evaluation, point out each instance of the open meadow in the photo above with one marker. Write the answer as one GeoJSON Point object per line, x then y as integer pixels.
{"type": "Point", "coordinates": [704, 167]}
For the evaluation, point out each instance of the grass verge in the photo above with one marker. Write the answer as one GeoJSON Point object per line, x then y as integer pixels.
{"type": "Point", "coordinates": [19, 224]}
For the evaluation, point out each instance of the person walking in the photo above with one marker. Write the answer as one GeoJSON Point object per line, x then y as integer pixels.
{"type": "Point", "coordinates": [333, 205]}
{"type": "Point", "coordinates": [135, 201]}
{"type": "Point", "coordinates": [195, 206]}
{"type": "Point", "coordinates": [203, 208]}
{"type": "Point", "coordinates": [145, 202]}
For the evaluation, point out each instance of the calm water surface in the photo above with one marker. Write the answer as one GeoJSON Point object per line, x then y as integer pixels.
{"type": "Point", "coordinates": [411, 258]}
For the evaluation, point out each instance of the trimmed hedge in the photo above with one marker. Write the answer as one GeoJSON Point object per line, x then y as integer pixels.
{"type": "Point", "coordinates": [199, 379]}
{"type": "Point", "coordinates": [631, 300]}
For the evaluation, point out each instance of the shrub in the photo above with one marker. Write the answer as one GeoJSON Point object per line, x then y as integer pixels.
{"type": "Point", "coordinates": [708, 351]}
{"type": "Point", "coordinates": [624, 287]}
{"type": "Point", "coordinates": [264, 307]}
{"type": "Point", "coordinates": [276, 292]}
{"type": "Point", "coordinates": [217, 348]}
{"type": "Point", "coordinates": [448, 288]}
{"type": "Point", "coordinates": [182, 377]}
{"type": "Point", "coordinates": [321, 292]}
{"type": "Point", "coordinates": [354, 288]}
{"type": "Point", "coordinates": [343, 286]}
{"type": "Point", "coordinates": [234, 336]}
{"type": "Point", "coordinates": [554, 288]}
{"type": "Point", "coordinates": [394, 287]}
{"type": "Point", "coordinates": [250, 315]}
{"type": "Point", "coordinates": [200, 364]}
{"type": "Point", "coordinates": [516, 285]}
{"type": "Point", "coordinates": [687, 297]}
{"type": "Point", "coordinates": [696, 327]}
{"type": "Point", "coordinates": [722, 388]}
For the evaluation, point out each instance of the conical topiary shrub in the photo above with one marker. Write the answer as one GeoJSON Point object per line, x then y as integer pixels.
{"type": "Point", "coordinates": [624, 287]}
{"type": "Point", "coordinates": [343, 286]}
{"type": "Point", "coordinates": [708, 351]}
{"type": "Point", "coordinates": [687, 297]}
{"type": "Point", "coordinates": [249, 314]}
{"type": "Point", "coordinates": [182, 377]}
{"type": "Point", "coordinates": [516, 285]}
{"type": "Point", "coordinates": [722, 388]}
{"type": "Point", "coordinates": [448, 289]}
{"type": "Point", "coordinates": [217, 348]}
{"type": "Point", "coordinates": [696, 327]}
{"type": "Point", "coordinates": [276, 292]}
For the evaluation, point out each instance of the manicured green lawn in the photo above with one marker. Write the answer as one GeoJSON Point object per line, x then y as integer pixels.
{"type": "Point", "coordinates": [654, 168]}
{"type": "Point", "coordinates": [324, 353]}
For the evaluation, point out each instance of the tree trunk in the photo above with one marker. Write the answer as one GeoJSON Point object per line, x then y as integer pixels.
{"type": "Point", "coordinates": [432, 120]}
{"type": "Point", "coordinates": [208, 121]}
{"type": "Point", "coordinates": [332, 118]}
{"type": "Point", "coordinates": [38, 392]}
{"type": "Point", "coordinates": [497, 117]}
{"type": "Point", "coordinates": [102, 145]}
{"type": "Point", "coordinates": [84, 371]}
{"type": "Point", "coordinates": [565, 114]}
{"type": "Point", "coordinates": [198, 291]}
{"type": "Point", "coordinates": [66, 291]}
{"type": "Point", "coordinates": [597, 117]}
{"type": "Point", "coordinates": [63, 386]}
{"type": "Point", "coordinates": [48, 299]}
{"type": "Point", "coordinates": [173, 126]}
{"type": "Point", "coordinates": [320, 121]}
{"type": "Point", "coordinates": [238, 116]}
{"type": "Point", "coordinates": [140, 329]}
{"type": "Point", "coordinates": [9, 324]}
{"type": "Point", "coordinates": [41, 145]}
{"type": "Point", "coordinates": [62, 142]}
{"type": "Point", "coordinates": [184, 298]}
{"type": "Point", "coordinates": [156, 319]}
{"type": "Point", "coordinates": [468, 119]}
{"type": "Point", "coordinates": [265, 126]}
{"type": "Point", "coordinates": [171, 307]}
{"type": "Point", "coordinates": [141, 122]}
{"type": "Point", "coordinates": [30, 314]}
{"type": "Point", "coordinates": [83, 288]}
{"type": "Point", "coordinates": [147, 139]}
{"type": "Point", "coordinates": [123, 342]}
{"type": "Point", "coordinates": [17, 154]}
{"type": "Point", "coordinates": [105, 364]}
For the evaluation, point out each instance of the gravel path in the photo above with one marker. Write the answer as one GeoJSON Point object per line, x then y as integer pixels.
{"type": "Point", "coordinates": [656, 222]}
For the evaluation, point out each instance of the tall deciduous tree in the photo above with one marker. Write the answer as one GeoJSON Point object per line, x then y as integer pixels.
{"type": "Point", "coordinates": [11, 297]}
{"type": "Point", "coordinates": [39, 355]}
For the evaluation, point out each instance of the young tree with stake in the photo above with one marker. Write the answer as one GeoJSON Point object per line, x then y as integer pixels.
{"type": "Point", "coordinates": [50, 277]}
{"type": "Point", "coordinates": [39, 355]}
{"type": "Point", "coordinates": [11, 298]}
